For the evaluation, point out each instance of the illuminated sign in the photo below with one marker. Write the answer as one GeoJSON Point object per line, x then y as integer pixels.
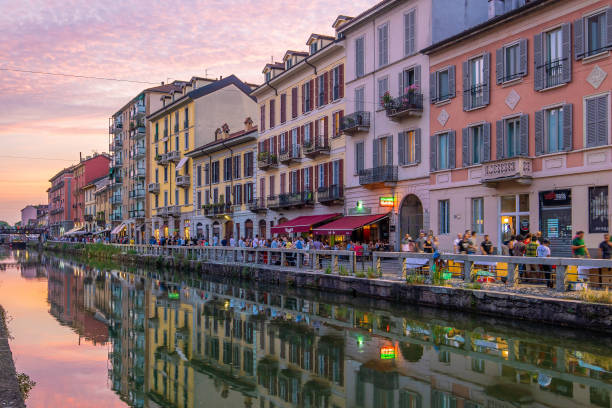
{"type": "Point", "coordinates": [387, 353]}
{"type": "Point", "coordinates": [173, 295]}
{"type": "Point", "coordinates": [386, 201]}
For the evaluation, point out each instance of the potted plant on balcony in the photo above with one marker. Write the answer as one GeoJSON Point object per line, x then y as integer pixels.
{"type": "Point", "coordinates": [158, 157]}
{"type": "Point", "coordinates": [408, 100]}
{"type": "Point", "coordinates": [386, 101]}
{"type": "Point", "coordinates": [263, 156]}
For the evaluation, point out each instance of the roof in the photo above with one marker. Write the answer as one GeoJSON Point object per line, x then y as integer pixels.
{"type": "Point", "coordinates": [276, 65]}
{"type": "Point", "coordinates": [164, 88]}
{"type": "Point", "coordinates": [303, 223]}
{"type": "Point", "coordinates": [377, 8]}
{"type": "Point", "coordinates": [340, 18]}
{"type": "Point", "coordinates": [292, 52]}
{"type": "Point", "coordinates": [487, 25]}
{"type": "Point", "coordinates": [206, 90]}
{"type": "Point", "coordinates": [319, 36]}
{"type": "Point", "coordinates": [62, 171]}
{"type": "Point", "coordinates": [232, 139]}
{"type": "Point", "coordinates": [346, 225]}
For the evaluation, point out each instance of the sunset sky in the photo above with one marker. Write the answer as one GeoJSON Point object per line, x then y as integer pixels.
{"type": "Point", "coordinates": [45, 121]}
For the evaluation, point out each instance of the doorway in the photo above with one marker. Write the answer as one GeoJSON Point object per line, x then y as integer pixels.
{"type": "Point", "coordinates": [411, 216]}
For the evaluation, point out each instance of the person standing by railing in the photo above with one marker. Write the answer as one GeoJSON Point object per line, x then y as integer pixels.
{"type": "Point", "coordinates": [543, 251]}
{"type": "Point", "coordinates": [605, 247]}
{"type": "Point", "coordinates": [531, 250]}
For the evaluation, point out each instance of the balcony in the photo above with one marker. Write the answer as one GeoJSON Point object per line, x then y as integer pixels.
{"type": "Point", "coordinates": [553, 73]}
{"type": "Point", "coordinates": [183, 181]}
{"type": "Point", "coordinates": [140, 172]}
{"type": "Point", "coordinates": [137, 213]}
{"type": "Point", "coordinates": [117, 128]}
{"type": "Point", "coordinates": [161, 160]}
{"type": "Point", "coordinates": [289, 155]}
{"type": "Point", "coordinates": [516, 169]}
{"type": "Point", "coordinates": [266, 160]}
{"type": "Point", "coordinates": [173, 156]}
{"type": "Point", "coordinates": [382, 174]}
{"type": "Point", "coordinates": [115, 199]}
{"type": "Point", "coordinates": [162, 212]}
{"type": "Point", "coordinates": [116, 216]}
{"type": "Point", "coordinates": [330, 195]}
{"type": "Point", "coordinates": [410, 104]}
{"type": "Point", "coordinates": [137, 193]}
{"type": "Point", "coordinates": [88, 217]}
{"type": "Point", "coordinates": [174, 210]}
{"type": "Point", "coordinates": [316, 146]}
{"type": "Point", "coordinates": [258, 205]}
{"type": "Point", "coordinates": [217, 209]}
{"type": "Point", "coordinates": [355, 122]}
{"type": "Point", "coordinates": [139, 111]}
{"type": "Point", "coordinates": [298, 199]}
{"type": "Point", "coordinates": [57, 211]}
{"type": "Point", "coordinates": [139, 152]}
{"type": "Point", "coordinates": [138, 132]}
{"type": "Point", "coordinates": [117, 162]}
{"type": "Point", "coordinates": [153, 188]}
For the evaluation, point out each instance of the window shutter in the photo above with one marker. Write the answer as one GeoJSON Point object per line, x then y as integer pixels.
{"type": "Point", "coordinates": [311, 93]}
{"type": "Point", "coordinates": [466, 85]}
{"type": "Point", "coordinates": [417, 145]}
{"type": "Point", "coordinates": [400, 84]}
{"type": "Point", "coordinates": [375, 153]}
{"type": "Point", "coordinates": [579, 39]}
{"type": "Point", "coordinates": [401, 151]}
{"type": "Point", "coordinates": [411, 32]}
{"type": "Point", "coordinates": [316, 177]}
{"type": "Point", "coordinates": [334, 122]}
{"type": "Point", "coordinates": [433, 153]}
{"type": "Point", "coordinates": [390, 150]}
{"type": "Point", "coordinates": [609, 27]}
{"type": "Point", "coordinates": [380, 46]}
{"type": "Point", "coordinates": [301, 186]}
{"type": "Point", "coordinates": [341, 80]}
{"type": "Point", "coordinates": [486, 73]}
{"type": "Point", "coordinates": [303, 98]}
{"type": "Point", "coordinates": [465, 146]}
{"type": "Point", "coordinates": [568, 119]}
{"type": "Point", "coordinates": [316, 130]}
{"type": "Point", "coordinates": [566, 45]}
{"type": "Point", "coordinates": [330, 177]}
{"type": "Point", "coordinates": [325, 174]}
{"type": "Point", "coordinates": [451, 81]}
{"type": "Point", "coordinates": [486, 148]}
{"type": "Point", "coordinates": [283, 108]}
{"type": "Point", "coordinates": [417, 77]}
{"type": "Point", "coordinates": [294, 102]}
{"type": "Point", "coordinates": [272, 113]}
{"type": "Point", "coordinates": [538, 61]}
{"type": "Point", "coordinates": [326, 133]}
{"type": "Point", "coordinates": [433, 94]}
{"type": "Point", "coordinates": [341, 177]}
{"type": "Point", "coordinates": [499, 65]}
{"type": "Point", "coordinates": [326, 90]}
{"type": "Point", "coordinates": [523, 61]}
{"type": "Point", "coordinates": [262, 189]}
{"type": "Point", "coordinates": [499, 139]}
{"type": "Point", "coordinates": [316, 92]}
{"type": "Point", "coordinates": [539, 132]}
{"type": "Point", "coordinates": [262, 119]}
{"type": "Point", "coordinates": [602, 120]}
{"type": "Point", "coordinates": [524, 135]}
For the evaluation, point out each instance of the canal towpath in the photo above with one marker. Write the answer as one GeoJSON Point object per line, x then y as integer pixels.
{"type": "Point", "coordinates": [10, 395]}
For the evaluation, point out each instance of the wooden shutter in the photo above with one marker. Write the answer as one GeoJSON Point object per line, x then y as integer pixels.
{"type": "Point", "coordinates": [330, 173]}
{"type": "Point", "coordinates": [400, 83]}
{"type": "Point", "coordinates": [300, 178]}
{"type": "Point", "coordinates": [325, 174]}
{"type": "Point", "coordinates": [341, 177]}
{"type": "Point", "coordinates": [283, 183]}
{"type": "Point", "coordinates": [262, 119]}
{"type": "Point", "coordinates": [523, 61]}
{"type": "Point", "coordinates": [417, 145]}
{"type": "Point", "coordinates": [334, 121]}
{"type": "Point", "coordinates": [524, 135]}
{"type": "Point", "coordinates": [568, 127]}
{"type": "Point", "coordinates": [410, 32]}
{"type": "Point", "coordinates": [375, 153]}
{"type": "Point", "coordinates": [326, 132]}
{"type": "Point", "coordinates": [312, 81]}
{"type": "Point", "coordinates": [390, 150]}
{"type": "Point", "coordinates": [316, 177]}
{"type": "Point", "coordinates": [283, 108]}
{"type": "Point", "coordinates": [486, 145]}
{"type": "Point", "coordinates": [341, 80]}
{"type": "Point", "coordinates": [273, 185]}
{"type": "Point", "coordinates": [538, 62]}
{"type": "Point", "coordinates": [294, 102]}
{"type": "Point", "coordinates": [417, 77]}
{"type": "Point", "coordinates": [499, 65]}
{"type": "Point", "coordinates": [326, 90]}
{"type": "Point", "coordinates": [451, 81]}
{"type": "Point", "coordinates": [303, 98]}
{"type": "Point", "coordinates": [316, 132]}
{"type": "Point", "coordinates": [401, 151]}
{"type": "Point", "coordinates": [262, 189]}
{"type": "Point", "coordinates": [579, 38]}
{"type": "Point", "coordinates": [451, 149]}
{"type": "Point", "coordinates": [272, 113]}
{"type": "Point", "coordinates": [433, 153]}
{"type": "Point", "coordinates": [465, 146]}
{"type": "Point", "coordinates": [566, 51]}
{"type": "Point", "coordinates": [466, 85]}
{"type": "Point", "coordinates": [316, 92]}
{"type": "Point", "coordinates": [499, 139]}
{"type": "Point", "coordinates": [609, 27]}
{"type": "Point", "coordinates": [539, 132]}
{"type": "Point", "coordinates": [486, 92]}
{"type": "Point", "coordinates": [433, 93]}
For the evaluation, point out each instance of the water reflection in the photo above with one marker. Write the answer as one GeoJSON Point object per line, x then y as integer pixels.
{"type": "Point", "coordinates": [197, 343]}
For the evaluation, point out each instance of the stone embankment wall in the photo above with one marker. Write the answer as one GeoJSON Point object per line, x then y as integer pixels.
{"type": "Point", "coordinates": [10, 395]}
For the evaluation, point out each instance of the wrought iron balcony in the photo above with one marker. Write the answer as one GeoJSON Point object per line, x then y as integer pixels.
{"type": "Point", "coordinates": [410, 104]}
{"type": "Point", "coordinates": [173, 156]}
{"type": "Point", "coordinates": [137, 213]}
{"type": "Point", "coordinates": [258, 205]}
{"type": "Point", "coordinates": [266, 160]}
{"type": "Point", "coordinates": [162, 212]}
{"type": "Point", "coordinates": [174, 210]}
{"type": "Point", "coordinates": [115, 199]}
{"type": "Point", "coordinates": [288, 200]}
{"type": "Point", "coordinates": [183, 181]}
{"type": "Point", "coordinates": [330, 194]}
{"type": "Point", "coordinates": [116, 216]}
{"type": "Point", "coordinates": [137, 193]}
{"type": "Point", "coordinates": [316, 146]}
{"type": "Point", "coordinates": [88, 217]}
{"type": "Point", "coordinates": [553, 72]}
{"type": "Point", "coordinates": [217, 209]}
{"type": "Point", "coordinates": [355, 122]}
{"type": "Point", "coordinates": [153, 188]}
{"type": "Point", "coordinates": [290, 154]}
{"type": "Point", "coordinates": [382, 174]}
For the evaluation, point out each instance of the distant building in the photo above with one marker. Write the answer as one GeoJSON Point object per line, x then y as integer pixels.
{"type": "Point", "coordinates": [102, 196]}
{"type": "Point", "coordinates": [31, 213]}
{"type": "Point", "coordinates": [89, 169]}
{"type": "Point", "coordinates": [60, 202]}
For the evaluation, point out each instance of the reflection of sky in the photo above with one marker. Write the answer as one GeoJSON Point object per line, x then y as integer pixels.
{"type": "Point", "coordinates": [67, 374]}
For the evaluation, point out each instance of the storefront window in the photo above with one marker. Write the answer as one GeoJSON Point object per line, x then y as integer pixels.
{"type": "Point", "coordinates": [514, 216]}
{"type": "Point", "coordinates": [598, 209]}
{"type": "Point", "coordinates": [556, 219]}
{"type": "Point", "coordinates": [508, 204]}
{"type": "Point", "coordinates": [478, 215]}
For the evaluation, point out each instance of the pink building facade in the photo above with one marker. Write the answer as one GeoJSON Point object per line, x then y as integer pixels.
{"type": "Point", "coordinates": [520, 125]}
{"type": "Point", "coordinates": [89, 169]}
{"type": "Point", "coordinates": [60, 203]}
{"type": "Point", "coordinates": [386, 118]}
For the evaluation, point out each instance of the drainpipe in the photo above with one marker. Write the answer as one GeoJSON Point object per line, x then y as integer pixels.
{"type": "Point", "coordinates": [308, 63]}
{"type": "Point", "coordinates": [275, 90]}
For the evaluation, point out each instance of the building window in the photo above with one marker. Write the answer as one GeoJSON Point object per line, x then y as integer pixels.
{"type": "Point", "coordinates": [442, 84]}
{"type": "Point", "coordinates": [442, 151]}
{"type": "Point", "coordinates": [336, 120]}
{"type": "Point", "coordinates": [237, 167]}
{"type": "Point", "coordinates": [186, 140]}
{"type": "Point", "coordinates": [186, 192]}
{"type": "Point", "coordinates": [383, 45]}
{"type": "Point", "coordinates": [409, 32]}
{"type": "Point", "coordinates": [383, 88]}
{"type": "Point", "coordinates": [306, 97]}
{"type": "Point", "coordinates": [476, 82]}
{"type": "Point", "coordinates": [272, 113]}
{"type": "Point", "coordinates": [554, 129]}
{"type": "Point", "coordinates": [360, 99]}
{"type": "Point", "coordinates": [206, 174]}
{"type": "Point", "coordinates": [314, 47]}
{"type": "Point", "coordinates": [478, 215]}
{"type": "Point", "coordinates": [165, 174]}
{"type": "Point", "coordinates": [360, 57]}
{"type": "Point", "coordinates": [595, 34]}
{"type": "Point", "coordinates": [321, 86]}
{"type": "Point", "coordinates": [288, 63]}
{"type": "Point", "coordinates": [199, 176]}
{"type": "Point", "coordinates": [157, 175]}
{"type": "Point", "coordinates": [199, 199]}
{"type": "Point", "coordinates": [598, 209]}
{"type": "Point", "coordinates": [268, 76]}
{"type": "Point", "coordinates": [176, 196]}
{"type": "Point", "coordinates": [596, 117]}
{"type": "Point", "coordinates": [215, 172]}
{"type": "Point", "coordinates": [512, 137]}
{"type": "Point", "coordinates": [443, 217]}
{"type": "Point", "coordinates": [511, 61]}
{"type": "Point", "coordinates": [262, 117]}
{"type": "Point", "coordinates": [165, 198]}
{"type": "Point", "coordinates": [248, 164]}
{"type": "Point", "coordinates": [409, 151]}
{"type": "Point", "coordinates": [554, 58]}
{"type": "Point", "coordinates": [476, 144]}
{"type": "Point", "coordinates": [359, 157]}
{"type": "Point", "coordinates": [337, 82]}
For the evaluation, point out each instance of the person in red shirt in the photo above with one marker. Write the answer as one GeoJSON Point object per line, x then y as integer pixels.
{"type": "Point", "coordinates": [358, 248]}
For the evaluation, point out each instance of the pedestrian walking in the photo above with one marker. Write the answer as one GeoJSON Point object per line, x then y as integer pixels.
{"type": "Point", "coordinates": [579, 249]}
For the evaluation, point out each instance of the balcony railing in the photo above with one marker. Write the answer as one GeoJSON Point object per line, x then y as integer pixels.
{"type": "Point", "coordinates": [266, 160]}
{"type": "Point", "coordinates": [316, 146]}
{"type": "Point", "coordinates": [117, 162]}
{"type": "Point", "coordinates": [552, 73]}
{"type": "Point", "coordinates": [117, 128]}
{"type": "Point", "coordinates": [138, 193]}
{"type": "Point", "coordinates": [290, 154]}
{"type": "Point", "coordinates": [258, 205]}
{"type": "Point", "coordinates": [153, 188]}
{"type": "Point", "coordinates": [140, 172]}
{"type": "Point", "coordinates": [218, 209]}
{"type": "Point", "coordinates": [174, 211]}
{"type": "Point", "coordinates": [355, 122]}
{"type": "Point", "coordinates": [139, 111]}
{"type": "Point", "coordinates": [517, 169]}
{"type": "Point", "coordinates": [380, 174]}
{"type": "Point", "coordinates": [173, 156]}
{"type": "Point", "coordinates": [139, 152]}
{"type": "Point", "coordinates": [137, 213]}
{"type": "Point", "coordinates": [116, 216]}
{"type": "Point", "coordinates": [287, 200]}
{"type": "Point", "coordinates": [161, 160]}
{"type": "Point", "coordinates": [57, 211]}
{"type": "Point", "coordinates": [115, 199]}
{"type": "Point", "coordinates": [88, 217]}
{"type": "Point", "coordinates": [183, 181]}
{"type": "Point", "coordinates": [330, 194]}
{"type": "Point", "coordinates": [474, 96]}
{"type": "Point", "coordinates": [410, 104]}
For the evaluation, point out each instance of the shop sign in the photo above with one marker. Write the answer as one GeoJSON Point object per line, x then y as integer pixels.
{"type": "Point", "coordinates": [556, 197]}
{"type": "Point", "coordinates": [386, 201]}
{"type": "Point", "coordinates": [387, 353]}
{"type": "Point", "coordinates": [359, 209]}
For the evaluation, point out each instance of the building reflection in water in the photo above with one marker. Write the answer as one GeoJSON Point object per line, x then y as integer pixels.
{"type": "Point", "coordinates": [209, 344]}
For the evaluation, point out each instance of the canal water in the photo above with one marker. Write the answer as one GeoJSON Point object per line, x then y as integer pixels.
{"type": "Point", "coordinates": [94, 335]}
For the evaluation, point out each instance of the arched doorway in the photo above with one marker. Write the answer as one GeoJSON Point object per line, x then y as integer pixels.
{"type": "Point", "coordinates": [411, 216]}
{"type": "Point", "coordinates": [248, 229]}
{"type": "Point", "coordinates": [216, 229]}
{"type": "Point", "coordinates": [229, 230]}
{"type": "Point", "coordinates": [262, 229]}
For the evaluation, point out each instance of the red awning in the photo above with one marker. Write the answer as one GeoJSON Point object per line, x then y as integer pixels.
{"type": "Point", "coordinates": [303, 223]}
{"type": "Point", "coordinates": [346, 225]}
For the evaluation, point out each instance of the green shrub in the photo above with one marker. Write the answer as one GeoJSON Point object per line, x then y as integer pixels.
{"type": "Point", "coordinates": [328, 270]}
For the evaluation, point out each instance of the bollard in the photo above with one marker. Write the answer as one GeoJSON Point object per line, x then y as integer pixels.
{"type": "Point", "coordinates": [378, 267]}
{"type": "Point", "coordinates": [560, 283]}
{"type": "Point", "coordinates": [431, 269]}
{"type": "Point", "coordinates": [467, 270]}
{"type": "Point", "coordinates": [334, 262]}
{"type": "Point", "coordinates": [511, 277]}
{"type": "Point", "coordinates": [405, 268]}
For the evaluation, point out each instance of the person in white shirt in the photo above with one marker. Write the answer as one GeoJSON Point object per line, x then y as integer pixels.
{"type": "Point", "coordinates": [232, 241]}
{"type": "Point", "coordinates": [543, 251]}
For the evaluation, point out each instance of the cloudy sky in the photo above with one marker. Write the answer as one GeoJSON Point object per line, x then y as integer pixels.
{"type": "Point", "coordinates": [45, 121]}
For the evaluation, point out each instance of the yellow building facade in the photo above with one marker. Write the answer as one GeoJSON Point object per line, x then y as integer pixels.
{"type": "Point", "coordinates": [300, 156]}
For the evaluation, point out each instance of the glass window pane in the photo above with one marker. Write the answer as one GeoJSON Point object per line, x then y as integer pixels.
{"type": "Point", "coordinates": [508, 204]}
{"type": "Point", "coordinates": [524, 202]}
{"type": "Point", "coordinates": [443, 151]}
{"type": "Point", "coordinates": [443, 85]}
